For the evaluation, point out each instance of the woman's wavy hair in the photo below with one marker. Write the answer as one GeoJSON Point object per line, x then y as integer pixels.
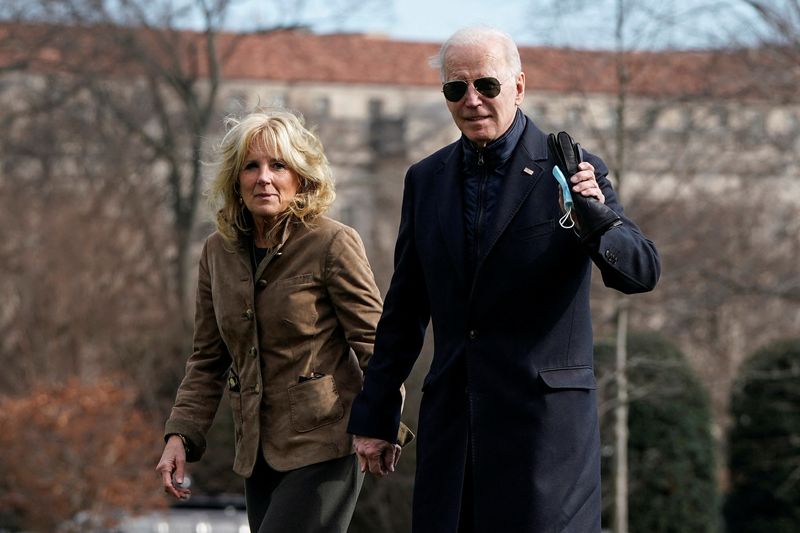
{"type": "Point", "coordinates": [285, 136]}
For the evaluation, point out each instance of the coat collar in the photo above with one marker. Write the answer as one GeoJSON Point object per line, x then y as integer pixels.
{"type": "Point", "coordinates": [244, 248]}
{"type": "Point", "coordinates": [499, 150]}
{"type": "Point", "coordinates": [521, 178]}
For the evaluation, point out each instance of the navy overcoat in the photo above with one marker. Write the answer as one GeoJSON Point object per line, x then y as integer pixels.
{"type": "Point", "coordinates": [510, 395]}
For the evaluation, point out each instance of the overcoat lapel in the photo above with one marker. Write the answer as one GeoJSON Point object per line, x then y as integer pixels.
{"type": "Point", "coordinates": [451, 209]}
{"type": "Point", "coordinates": [522, 176]}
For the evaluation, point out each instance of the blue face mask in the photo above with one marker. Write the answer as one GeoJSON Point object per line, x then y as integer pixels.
{"type": "Point", "coordinates": [566, 221]}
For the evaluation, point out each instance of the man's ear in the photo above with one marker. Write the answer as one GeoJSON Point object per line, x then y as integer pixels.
{"type": "Point", "coordinates": [520, 88]}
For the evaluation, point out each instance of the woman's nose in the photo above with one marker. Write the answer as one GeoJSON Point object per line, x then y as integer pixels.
{"type": "Point", "coordinates": [265, 176]}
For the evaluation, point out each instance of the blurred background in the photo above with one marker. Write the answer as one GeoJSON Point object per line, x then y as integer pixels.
{"type": "Point", "coordinates": [110, 111]}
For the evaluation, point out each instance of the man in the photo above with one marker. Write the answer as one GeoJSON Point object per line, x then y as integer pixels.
{"type": "Point", "coordinates": [508, 436]}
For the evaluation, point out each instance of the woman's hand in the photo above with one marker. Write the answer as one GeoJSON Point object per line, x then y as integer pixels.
{"type": "Point", "coordinates": [170, 467]}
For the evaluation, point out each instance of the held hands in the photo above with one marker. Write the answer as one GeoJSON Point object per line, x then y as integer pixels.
{"type": "Point", "coordinates": [379, 456]}
{"type": "Point", "coordinates": [172, 462]}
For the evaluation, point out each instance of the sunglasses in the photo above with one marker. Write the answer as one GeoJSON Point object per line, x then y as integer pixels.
{"type": "Point", "coordinates": [456, 89]}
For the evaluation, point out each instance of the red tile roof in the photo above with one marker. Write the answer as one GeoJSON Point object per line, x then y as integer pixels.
{"type": "Point", "coordinates": [300, 56]}
{"type": "Point", "coordinates": [342, 58]}
{"type": "Point", "coordinates": [353, 58]}
{"type": "Point", "coordinates": [356, 58]}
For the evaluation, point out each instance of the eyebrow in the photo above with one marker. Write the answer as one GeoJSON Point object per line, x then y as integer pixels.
{"type": "Point", "coordinates": [271, 160]}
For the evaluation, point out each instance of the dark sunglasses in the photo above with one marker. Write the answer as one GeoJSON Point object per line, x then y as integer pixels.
{"type": "Point", "coordinates": [456, 89]}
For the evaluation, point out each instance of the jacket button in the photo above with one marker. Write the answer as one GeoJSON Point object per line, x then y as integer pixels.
{"type": "Point", "coordinates": [248, 314]}
{"type": "Point", "coordinates": [610, 257]}
{"type": "Point", "coordinates": [256, 388]}
{"type": "Point", "coordinates": [473, 334]}
{"type": "Point", "coordinates": [252, 351]}
{"type": "Point", "coordinates": [261, 283]}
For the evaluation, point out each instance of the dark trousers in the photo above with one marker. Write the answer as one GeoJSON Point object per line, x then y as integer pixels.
{"type": "Point", "coordinates": [318, 498]}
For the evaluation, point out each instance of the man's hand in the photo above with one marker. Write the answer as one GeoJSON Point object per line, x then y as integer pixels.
{"type": "Point", "coordinates": [172, 462]}
{"type": "Point", "coordinates": [585, 183]}
{"type": "Point", "coordinates": [379, 456]}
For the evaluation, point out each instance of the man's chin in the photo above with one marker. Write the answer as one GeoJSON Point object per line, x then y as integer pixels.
{"type": "Point", "coordinates": [479, 138]}
{"type": "Point", "coordinates": [477, 131]}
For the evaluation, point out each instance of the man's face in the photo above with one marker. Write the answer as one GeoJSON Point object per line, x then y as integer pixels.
{"type": "Point", "coordinates": [480, 118]}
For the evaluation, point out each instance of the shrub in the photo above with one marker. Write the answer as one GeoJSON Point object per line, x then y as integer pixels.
{"type": "Point", "coordinates": [764, 443]}
{"type": "Point", "coordinates": [671, 475]}
{"type": "Point", "coordinates": [75, 450]}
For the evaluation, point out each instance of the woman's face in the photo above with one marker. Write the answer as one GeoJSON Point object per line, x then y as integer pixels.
{"type": "Point", "coordinates": [267, 184]}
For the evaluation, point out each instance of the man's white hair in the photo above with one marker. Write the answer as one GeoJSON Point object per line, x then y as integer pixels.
{"type": "Point", "coordinates": [479, 35]}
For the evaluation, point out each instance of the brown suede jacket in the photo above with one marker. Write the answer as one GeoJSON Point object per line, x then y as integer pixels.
{"type": "Point", "coordinates": [288, 345]}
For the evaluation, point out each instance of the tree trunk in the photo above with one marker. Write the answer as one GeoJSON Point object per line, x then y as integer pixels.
{"type": "Point", "coordinates": [621, 423]}
{"type": "Point", "coordinates": [621, 410]}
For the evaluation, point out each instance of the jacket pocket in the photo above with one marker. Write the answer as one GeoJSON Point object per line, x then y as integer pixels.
{"type": "Point", "coordinates": [579, 377]}
{"type": "Point", "coordinates": [314, 403]}
{"type": "Point", "coordinates": [289, 308]}
{"type": "Point", "coordinates": [302, 279]}
{"type": "Point", "coordinates": [234, 392]}
{"type": "Point", "coordinates": [537, 230]}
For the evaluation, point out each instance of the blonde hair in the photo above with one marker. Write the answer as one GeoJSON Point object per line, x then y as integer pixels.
{"type": "Point", "coordinates": [284, 135]}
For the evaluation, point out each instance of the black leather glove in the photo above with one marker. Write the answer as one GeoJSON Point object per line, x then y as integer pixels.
{"type": "Point", "coordinates": [594, 217]}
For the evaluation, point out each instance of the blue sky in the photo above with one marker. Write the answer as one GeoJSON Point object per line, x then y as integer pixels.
{"type": "Point", "coordinates": [436, 20]}
{"type": "Point", "coordinates": [587, 23]}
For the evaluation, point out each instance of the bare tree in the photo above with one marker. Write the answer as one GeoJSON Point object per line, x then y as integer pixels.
{"type": "Point", "coordinates": [646, 118]}
{"type": "Point", "coordinates": [109, 110]}
{"type": "Point", "coordinates": [161, 83]}
{"type": "Point", "coordinates": [125, 80]}
{"type": "Point", "coordinates": [778, 66]}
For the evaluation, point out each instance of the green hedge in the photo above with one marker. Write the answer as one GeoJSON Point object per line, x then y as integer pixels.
{"type": "Point", "coordinates": [671, 473]}
{"type": "Point", "coordinates": [764, 443]}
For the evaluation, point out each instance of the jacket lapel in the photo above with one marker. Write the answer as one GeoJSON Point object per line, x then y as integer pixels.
{"type": "Point", "coordinates": [522, 176]}
{"type": "Point", "coordinates": [451, 209]}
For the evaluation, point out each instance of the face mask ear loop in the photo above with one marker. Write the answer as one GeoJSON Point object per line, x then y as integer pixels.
{"type": "Point", "coordinates": [566, 218]}
{"type": "Point", "coordinates": [567, 198]}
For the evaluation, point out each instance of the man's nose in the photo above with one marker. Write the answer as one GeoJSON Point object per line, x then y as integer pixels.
{"type": "Point", "coordinates": [473, 97]}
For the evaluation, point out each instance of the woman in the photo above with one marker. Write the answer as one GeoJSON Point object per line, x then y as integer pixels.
{"type": "Point", "coordinates": [285, 323]}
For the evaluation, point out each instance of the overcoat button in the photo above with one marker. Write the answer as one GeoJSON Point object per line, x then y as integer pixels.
{"type": "Point", "coordinates": [252, 351]}
{"type": "Point", "coordinates": [262, 283]}
{"type": "Point", "coordinates": [473, 334]}
{"type": "Point", "coordinates": [248, 314]}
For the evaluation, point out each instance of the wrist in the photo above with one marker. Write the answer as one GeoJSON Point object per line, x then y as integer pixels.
{"type": "Point", "coordinates": [184, 441]}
